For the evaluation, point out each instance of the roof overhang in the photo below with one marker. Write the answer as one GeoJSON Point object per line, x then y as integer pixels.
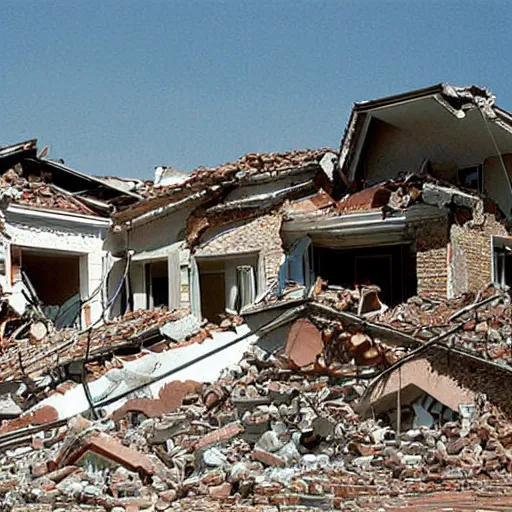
{"type": "Point", "coordinates": [360, 229]}
{"type": "Point", "coordinates": [25, 213]}
{"type": "Point", "coordinates": [454, 126]}
{"type": "Point", "coordinates": [245, 190]}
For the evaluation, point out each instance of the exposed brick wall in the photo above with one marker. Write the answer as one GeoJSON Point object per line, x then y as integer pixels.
{"type": "Point", "coordinates": [478, 377]}
{"type": "Point", "coordinates": [471, 253]}
{"type": "Point", "coordinates": [261, 234]}
{"type": "Point", "coordinates": [431, 258]}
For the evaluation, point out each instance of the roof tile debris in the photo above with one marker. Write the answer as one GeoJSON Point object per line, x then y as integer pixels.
{"type": "Point", "coordinates": [367, 199]}
{"type": "Point", "coordinates": [484, 317]}
{"type": "Point", "coordinates": [36, 193]}
{"type": "Point", "coordinates": [306, 447]}
{"type": "Point", "coordinates": [109, 344]}
{"type": "Point", "coordinates": [211, 179]}
{"type": "Point", "coordinates": [392, 196]}
{"type": "Point", "coordinates": [248, 165]}
{"type": "Point", "coordinates": [170, 398]}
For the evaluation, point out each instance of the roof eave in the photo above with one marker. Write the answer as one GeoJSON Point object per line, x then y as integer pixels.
{"type": "Point", "coordinates": [415, 94]}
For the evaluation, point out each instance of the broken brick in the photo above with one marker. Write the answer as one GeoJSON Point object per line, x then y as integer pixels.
{"type": "Point", "coordinates": [220, 435]}
{"type": "Point", "coordinates": [220, 491]}
{"type": "Point", "coordinates": [110, 448]}
{"type": "Point", "coordinates": [267, 458]}
{"type": "Point", "coordinates": [304, 343]}
{"type": "Point", "coordinates": [170, 397]}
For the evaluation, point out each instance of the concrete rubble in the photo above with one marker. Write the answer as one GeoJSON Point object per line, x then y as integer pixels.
{"type": "Point", "coordinates": [272, 432]}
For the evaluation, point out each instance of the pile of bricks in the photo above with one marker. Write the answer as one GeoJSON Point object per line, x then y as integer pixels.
{"type": "Point", "coordinates": [480, 322]}
{"type": "Point", "coordinates": [261, 438]}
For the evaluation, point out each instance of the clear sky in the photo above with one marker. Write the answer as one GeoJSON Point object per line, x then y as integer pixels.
{"type": "Point", "coordinates": [118, 87]}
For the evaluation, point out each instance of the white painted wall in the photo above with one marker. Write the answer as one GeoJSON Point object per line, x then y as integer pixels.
{"type": "Point", "coordinates": [389, 150]}
{"type": "Point", "coordinates": [138, 284]}
{"type": "Point", "coordinates": [60, 233]}
{"type": "Point", "coordinates": [150, 235]}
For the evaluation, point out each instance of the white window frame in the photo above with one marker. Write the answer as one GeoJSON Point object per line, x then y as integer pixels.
{"type": "Point", "coordinates": [194, 283]}
{"type": "Point", "coordinates": [499, 244]}
{"type": "Point", "coordinates": [171, 254]}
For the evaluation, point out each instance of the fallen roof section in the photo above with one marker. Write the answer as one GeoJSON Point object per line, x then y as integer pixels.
{"type": "Point", "coordinates": [251, 167]}
{"type": "Point", "coordinates": [34, 181]}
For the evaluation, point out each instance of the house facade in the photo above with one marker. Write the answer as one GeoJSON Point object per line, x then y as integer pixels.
{"type": "Point", "coordinates": [460, 138]}
{"type": "Point", "coordinates": [416, 201]}
{"type": "Point", "coordinates": [212, 242]}
{"type": "Point", "coordinates": [55, 222]}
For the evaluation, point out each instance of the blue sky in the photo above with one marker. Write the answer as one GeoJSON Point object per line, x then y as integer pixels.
{"type": "Point", "coordinates": [118, 87]}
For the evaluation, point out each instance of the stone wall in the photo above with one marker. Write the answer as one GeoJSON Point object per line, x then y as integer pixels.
{"type": "Point", "coordinates": [261, 235]}
{"type": "Point", "coordinates": [431, 258]}
{"type": "Point", "coordinates": [471, 259]}
{"type": "Point", "coordinates": [456, 259]}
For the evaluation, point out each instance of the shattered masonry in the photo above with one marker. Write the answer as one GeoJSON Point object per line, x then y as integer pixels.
{"type": "Point", "coordinates": [306, 330]}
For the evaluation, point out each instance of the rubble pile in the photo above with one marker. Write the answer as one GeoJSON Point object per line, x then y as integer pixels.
{"type": "Point", "coordinates": [33, 191]}
{"type": "Point", "coordinates": [362, 300]}
{"type": "Point", "coordinates": [484, 321]}
{"type": "Point", "coordinates": [33, 369]}
{"type": "Point", "coordinates": [61, 347]}
{"type": "Point", "coordinates": [261, 436]}
{"type": "Point", "coordinates": [273, 161]}
{"type": "Point", "coordinates": [24, 356]}
{"type": "Point", "coordinates": [247, 165]}
{"type": "Point", "coordinates": [393, 195]}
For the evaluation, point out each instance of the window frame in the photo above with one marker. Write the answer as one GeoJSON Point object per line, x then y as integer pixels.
{"type": "Point", "coordinates": [501, 247]}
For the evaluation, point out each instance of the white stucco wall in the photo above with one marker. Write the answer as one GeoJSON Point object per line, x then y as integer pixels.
{"type": "Point", "coordinates": [150, 234]}
{"type": "Point", "coordinates": [389, 151]}
{"type": "Point", "coordinates": [78, 236]}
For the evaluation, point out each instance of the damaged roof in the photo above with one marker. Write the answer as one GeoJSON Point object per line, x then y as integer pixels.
{"type": "Point", "coordinates": [441, 105]}
{"type": "Point", "coordinates": [250, 167]}
{"type": "Point", "coordinates": [389, 198]}
{"type": "Point", "coordinates": [34, 181]}
{"type": "Point", "coordinates": [125, 336]}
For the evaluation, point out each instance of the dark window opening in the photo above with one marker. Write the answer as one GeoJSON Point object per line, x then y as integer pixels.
{"type": "Point", "coordinates": [55, 280]}
{"type": "Point", "coordinates": [212, 285]}
{"type": "Point", "coordinates": [392, 268]}
{"type": "Point", "coordinates": [157, 284]}
{"type": "Point", "coordinates": [213, 295]}
{"type": "Point", "coordinates": [228, 283]}
{"type": "Point", "coordinates": [471, 177]}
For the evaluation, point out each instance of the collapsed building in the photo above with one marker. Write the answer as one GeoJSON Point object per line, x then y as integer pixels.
{"type": "Point", "coordinates": [226, 338]}
{"type": "Point", "coordinates": [55, 220]}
